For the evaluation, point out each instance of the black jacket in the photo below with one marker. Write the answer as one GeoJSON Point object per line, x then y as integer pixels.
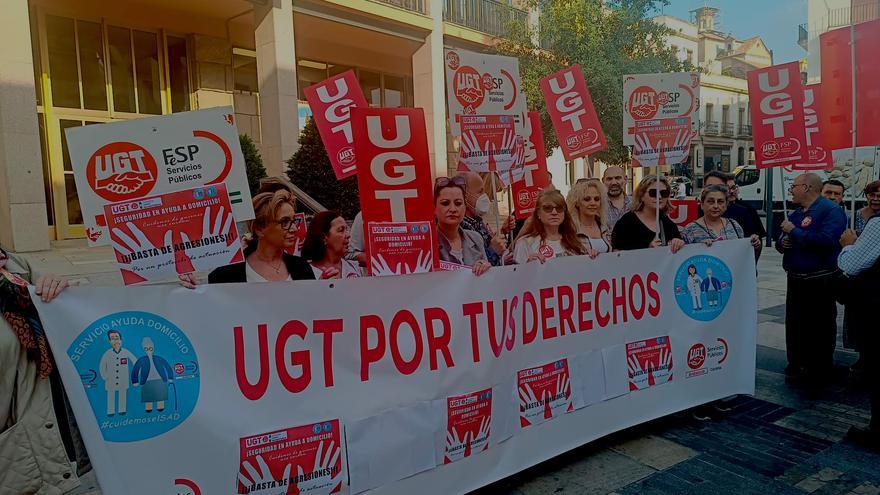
{"type": "Point", "coordinates": [298, 268]}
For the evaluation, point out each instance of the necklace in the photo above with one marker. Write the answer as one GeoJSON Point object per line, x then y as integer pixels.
{"type": "Point", "coordinates": [273, 266]}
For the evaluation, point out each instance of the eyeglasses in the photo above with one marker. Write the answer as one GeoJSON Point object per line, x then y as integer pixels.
{"type": "Point", "coordinates": [445, 181]}
{"type": "Point", "coordinates": [791, 188]}
{"type": "Point", "coordinates": [286, 223]}
{"type": "Point", "coordinates": [664, 193]}
{"type": "Point", "coordinates": [552, 208]}
{"type": "Point", "coordinates": [873, 195]}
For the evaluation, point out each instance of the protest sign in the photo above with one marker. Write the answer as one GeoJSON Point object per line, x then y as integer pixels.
{"type": "Point", "coordinates": [662, 142]}
{"type": "Point", "coordinates": [818, 157]}
{"type": "Point", "coordinates": [158, 237]}
{"type": "Point", "coordinates": [488, 143]}
{"type": "Point", "coordinates": [449, 266]}
{"type": "Point", "coordinates": [659, 96]}
{"type": "Point", "coordinates": [303, 353]}
{"type": "Point", "coordinates": [535, 177]}
{"type": "Point", "coordinates": [394, 173]}
{"type": "Point", "coordinates": [468, 424]}
{"type": "Point", "coordinates": [544, 392]}
{"type": "Point", "coordinates": [306, 457]}
{"type": "Point", "coordinates": [482, 84]}
{"type": "Point", "coordinates": [650, 362]}
{"type": "Point", "coordinates": [123, 161]}
{"type": "Point", "coordinates": [331, 102]}
{"type": "Point", "coordinates": [683, 211]}
{"type": "Point", "coordinates": [776, 104]}
{"type": "Point", "coordinates": [400, 247]}
{"type": "Point", "coordinates": [571, 110]}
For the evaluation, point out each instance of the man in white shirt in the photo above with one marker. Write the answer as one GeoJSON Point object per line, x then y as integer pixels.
{"type": "Point", "coordinates": [114, 369]}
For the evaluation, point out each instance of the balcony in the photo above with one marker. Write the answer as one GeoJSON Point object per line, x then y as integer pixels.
{"type": "Point", "coordinates": [803, 36]}
{"type": "Point", "coordinates": [727, 129]}
{"type": "Point", "coordinates": [420, 6]}
{"type": "Point", "coordinates": [860, 13]}
{"type": "Point", "coordinates": [745, 130]}
{"type": "Point", "coordinates": [487, 16]}
{"type": "Point", "coordinates": [710, 128]}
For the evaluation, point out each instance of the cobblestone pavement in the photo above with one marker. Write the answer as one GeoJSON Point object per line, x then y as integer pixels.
{"type": "Point", "coordinates": [785, 440]}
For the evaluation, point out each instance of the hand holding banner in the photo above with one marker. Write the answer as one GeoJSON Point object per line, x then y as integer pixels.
{"type": "Point", "coordinates": [571, 109]}
{"type": "Point", "coordinates": [776, 102]}
{"type": "Point", "coordinates": [332, 114]}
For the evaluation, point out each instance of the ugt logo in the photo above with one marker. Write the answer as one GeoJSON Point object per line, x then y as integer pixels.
{"type": "Point", "coordinates": [643, 103]}
{"type": "Point", "coordinates": [120, 171]}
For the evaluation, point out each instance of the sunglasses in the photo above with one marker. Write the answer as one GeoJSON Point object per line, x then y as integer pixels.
{"type": "Point", "coordinates": [445, 181]}
{"type": "Point", "coordinates": [552, 209]}
{"type": "Point", "coordinates": [664, 193]}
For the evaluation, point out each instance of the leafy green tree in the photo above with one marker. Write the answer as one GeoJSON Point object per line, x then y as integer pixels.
{"type": "Point", "coordinates": [310, 169]}
{"type": "Point", "coordinates": [609, 39]}
{"type": "Point", "coordinates": [253, 163]}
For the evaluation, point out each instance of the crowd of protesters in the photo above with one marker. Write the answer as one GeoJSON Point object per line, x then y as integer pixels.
{"type": "Point", "coordinates": [819, 253]}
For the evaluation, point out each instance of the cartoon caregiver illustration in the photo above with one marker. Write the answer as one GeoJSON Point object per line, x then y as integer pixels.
{"type": "Point", "coordinates": [693, 284]}
{"type": "Point", "coordinates": [114, 371]}
{"type": "Point", "coordinates": [712, 287]}
{"type": "Point", "coordinates": [152, 373]}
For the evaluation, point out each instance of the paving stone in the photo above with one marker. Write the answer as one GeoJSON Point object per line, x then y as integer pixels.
{"type": "Point", "coordinates": [656, 452]}
{"type": "Point", "coordinates": [865, 489]}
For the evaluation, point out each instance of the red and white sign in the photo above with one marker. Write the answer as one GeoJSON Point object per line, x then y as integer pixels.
{"type": "Point", "coordinates": [776, 102]}
{"type": "Point", "coordinates": [544, 392]}
{"type": "Point", "coordinates": [482, 84]}
{"type": "Point", "coordinates": [488, 143]}
{"type": "Point", "coordinates": [683, 211]}
{"type": "Point", "coordinates": [702, 359]}
{"type": "Point", "coordinates": [302, 227]}
{"type": "Point", "coordinates": [818, 157]}
{"type": "Point", "coordinates": [571, 110]}
{"type": "Point", "coordinates": [400, 248]}
{"type": "Point", "coordinates": [662, 142]}
{"type": "Point", "coordinates": [659, 96]}
{"type": "Point", "coordinates": [468, 422]}
{"type": "Point", "coordinates": [535, 176]}
{"type": "Point", "coordinates": [331, 102]}
{"type": "Point", "coordinates": [133, 159]}
{"type": "Point", "coordinates": [303, 459]}
{"type": "Point", "coordinates": [649, 362]}
{"type": "Point", "coordinates": [158, 237]}
{"type": "Point", "coordinates": [449, 266]}
{"type": "Point", "coordinates": [394, 172]}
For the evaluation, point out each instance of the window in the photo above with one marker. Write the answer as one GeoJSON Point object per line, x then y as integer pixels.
{"type": "Point", "coordinates": [741, 157]}
{"type": "Point", "coordinates": [709, 112]}
{"type": "Point", "coordinates": [61, 41]}
{"type": "Point", "coordinates": [394, 91]}
{"type": "Point", "coordinates": [747, 177]}
{"type": "Point", "coordinates": [178, 74]}
{"type": "Point", "coordinates": [245, 73]}
{"type": "Point", "coordinates": [372, 87]}
{"type": "Point", "coordinates": [690, 55]}
{"type": "Point", "coordinates": [146, 54]}
{"type": "Point", "coordinates": [725, 114]}
{"type": "Point", "coordinates": [91, 62]}
{"type": "Point", "coordinates": [121, 69]}
{"type": "Point", "coordinates": [379, 89]}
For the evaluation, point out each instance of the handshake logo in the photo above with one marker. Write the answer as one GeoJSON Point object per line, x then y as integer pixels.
{"type": "Point", "coordinates": [120, 171]}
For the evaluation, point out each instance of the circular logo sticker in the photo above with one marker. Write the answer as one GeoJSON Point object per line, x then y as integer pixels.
{"type": "Point", "coordinates": [703, 285]}
{"type": "Point", "coordinates": [467, 85]}
{"type": "Point", "coordinates": [546, 251]}
{"type": "Point", "coordinates": [120, 171]}
{"type": "Point", "coordinates": [696, 356]}
{"type": "Point", "coordinates": [806, 222]}
{"type": "Point", "coordinates": [140, 373]}
{"type": "Point", "coordinates": [452, 60]}
{"type": "Point", "coordinates": [643, 103]}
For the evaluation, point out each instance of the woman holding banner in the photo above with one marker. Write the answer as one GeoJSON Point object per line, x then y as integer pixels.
{"type": "Point", "coordinates": [638, 228]}
{"type": "Point", "coordinates": [549, 233]}
{"type": "Point", "coordinates": [457, 245]}
{"type": "Point", "coordinates": [712, 226]}
{"type": "Point", "coordinates": [326, 245]}
{"type": "Point", "coordinates": [587, 206]}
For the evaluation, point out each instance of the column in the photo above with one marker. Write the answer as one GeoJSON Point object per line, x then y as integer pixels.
{"type": "Point", "coordinates": [429, 89]}
{"type": "Point", "coordinates": [23, 222]}
{"type": "Point", "coordinates": [276, 70]}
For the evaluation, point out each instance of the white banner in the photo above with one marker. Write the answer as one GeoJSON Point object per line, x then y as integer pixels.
{"type": "Point", "coordinates": [653, 97]}
{"type": "Point", "coordinates": [123, 161]}
{"type": "Point", "coordinates": [482, 84]}
{"type": "Point", "coordinates": [435, 383]}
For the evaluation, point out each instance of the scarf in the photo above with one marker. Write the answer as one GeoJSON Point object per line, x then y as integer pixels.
{"type": "Point", "coordinates": [19, 311]}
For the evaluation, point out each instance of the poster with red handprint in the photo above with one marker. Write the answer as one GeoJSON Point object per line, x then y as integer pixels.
{"type": "Point", "coordinates": [468, 421]}
{"type": "Point", "coordinates": [305, 460]}
{"type": "Point", "coordinates": [159, 237]}
{"type": "Point", "coordinates": [544, 392]}
{"type": "Point", "coordinates": [648, 97]}
{"type": "Point", "coordinates": [488, 143]}
{"type": "Point", "coordinates": [662, 142]}
{"type": "Point", "coordinates": [400, 248]}
{"type": "Point", "coordinates": [649, 362]}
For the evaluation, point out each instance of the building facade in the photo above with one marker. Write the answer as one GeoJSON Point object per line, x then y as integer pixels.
{"type": "Point", "coordinates": [68, 63]}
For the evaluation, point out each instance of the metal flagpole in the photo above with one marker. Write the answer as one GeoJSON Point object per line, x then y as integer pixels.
{"type": "Point", "coordinates": [852, 50]}
{"type": "Point", "coordinates": [497, 212]}
{"type": "Point", "coordinates": [657, 187]}
{"type": "Point", "coordinates": [784, 191]}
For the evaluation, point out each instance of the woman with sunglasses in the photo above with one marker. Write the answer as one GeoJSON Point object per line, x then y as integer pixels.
{"type": "Point", "coordinates": [638, 229]}
{"type": "Point", "coordinates": [326, 245]}
{"type": "Point", "coordinates": [712, 226]}
{"type": "Point", "coordinates": [274, 230]}
{"type": "Point", "coordinates": [455, 244]}
{"type": "Point", "coordinates": [587, 205]}
{"type": "Point", "coordinates": [549, 233]}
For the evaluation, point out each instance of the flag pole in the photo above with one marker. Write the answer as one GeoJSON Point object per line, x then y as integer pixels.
{"type": "Point", "coordinates": [657, 187]}
{"type": "Point", "coordinates": [852, 175]}
{"type": "Point", "coordinates": [784, 191]}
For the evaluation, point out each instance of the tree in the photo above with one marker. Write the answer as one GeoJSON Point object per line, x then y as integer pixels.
{"type": "Point", "coordinates": [309, 168]}
{"type": "Point", "coordinates": [609, 39]}
{"type": "Point", "coordinates": [253, 163]}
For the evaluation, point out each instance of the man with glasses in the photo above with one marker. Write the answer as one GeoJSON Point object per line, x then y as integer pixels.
{"type": "Point", "coordinates": [619, 203]}
{"type": "Point", "coordinates": [809, 245]}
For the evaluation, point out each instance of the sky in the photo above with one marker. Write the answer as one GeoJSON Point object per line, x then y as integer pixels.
{"type": "Point", "coordinates": [775, 21]}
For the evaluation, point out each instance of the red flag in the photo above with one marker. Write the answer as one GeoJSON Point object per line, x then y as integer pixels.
{"type": "Point", "coordinates": [776, 102]}
{"type": "Point", "coordinates": [331, 101]}
{"type": "Point", "coordinates": [571, 110]}
{"type": "Point", "coordinates": [868, 83]}
{"type": "Point", "coordinates": [535, 176]}
{"type": "Point", "coordinates": [818, 157]}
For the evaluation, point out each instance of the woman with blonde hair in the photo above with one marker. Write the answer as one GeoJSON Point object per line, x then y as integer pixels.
{"type": "Point", "coordinates": [549, 233]}
{"type": "Point", "coordinates": [639, 228]}
{"type": "Point", "coordinates": [587, 204]}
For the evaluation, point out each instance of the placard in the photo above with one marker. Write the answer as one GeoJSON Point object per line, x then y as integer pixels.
{"type": "Point", "coordinates": [571, 109]}
{"type": "Point", "coordinates": [662, 142]}
{"type": "Point", "coordinates": [488, 143]}
{"type": "Point", "coordinates": [659, 96]}
{"type": "Point", "coordinates": [535, 177]}
{"type": "Point", "coordinates": [400, 248]}
{"type": "Point", "coordinates": [776, 103]}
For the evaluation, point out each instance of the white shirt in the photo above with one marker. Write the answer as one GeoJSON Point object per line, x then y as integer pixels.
{"type": "Point", "coordinates": [527, 246]}
{"type": "Point", "coordinates": [253, 276]}
{"type": "Point", "coordinates": [350, 269]}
